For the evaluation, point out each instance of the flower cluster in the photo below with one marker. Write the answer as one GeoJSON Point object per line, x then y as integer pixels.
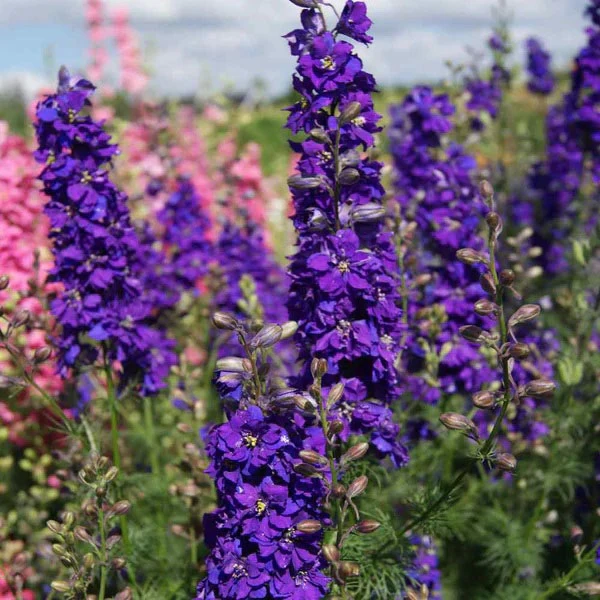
{"type": "Point", "coordinates": [133, 77]}
{"type": "Point", "coordinates": [264, 537]}
{"type": "Point", "coordinates": [541, 80]}
{"type": "Point", "coordinates": [185, 235]}
{"type": "Point", "coordinates": [345, 272]}
{"type": "Point", "coordinates": [433, 179]}
{"type": "Point", "coordinates": [485, 93]}
{"type": "Point", "coordinates": [94, 245]}
{"type": "Point", "coordinates": [572, 135]}
{"type": "Point", "coordinates": [425, 577]}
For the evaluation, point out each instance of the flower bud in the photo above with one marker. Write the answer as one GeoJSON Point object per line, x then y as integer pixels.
{"type": "Point", "coordinates": [312, 458]}
{"type": "Point", "coordinates": [306, 470]}
{"type": "Point", "coordinates": [268, 336]}
{"type": "Point", "coordinates": [224, 321]}
{"type": "Point", "coordinates": [468, 256]}
{"type": "Point", "coordinates": [486, 189]}
{"type": "Point", "coordinates": [457, 422]}
{"type": "Point", "coordinates": [538, 388]}
{"type": "Point", "coordinates": [118, 563]}
{"type": "Point", "coordinates": [485, 307]}
{"type": "Point", "coordinates": [309, 526]}
{"type": "Point", "coordinates": [494, 222]}
{"type": "Point", "coordinates": [367, 526]}
{"type": "Point", "coordinates": [318, 367]}
{"type": "Point", "coordinates": [303, 403]}
{"type": "Point", "coordinates": [474, 334]}
{"type": "Point", "coordinates": [54, 526]}
{"type": "Point", "coordinates": [349, 176]}
{"type": "Point", "coordinates": [507, 277]}
{"type": "Point", "coordinates": [61, 586]}
{"type": "Point", "coordinates": [305, 3]}
{"type": "Point", "coordinates": [487, 283]}
{"type": "Point", "coordinates": [82, 534]}
{"type": "Point", "coordinates": [356, 452]}
{"type": "Point", "coordinates": [59, 550]}
{"type": "Point", "coordinates": [126, 594]}
{"type": "Point", "coordinates": [335, 427]}
{"type": "Point", "coordinates": [331, 553]}
{"type": "Point", "coordinates": [233, 364]}
{"type": "Point", "coordinates": [41, 355]}
{"type": "Point", "coordinates": [297, 182]}
{"type": "Point", "coordinates": [527, 312]}
{"type": "Point", "coordinates": [112, 541]}
{"type": "Point", "coordinates": [121, 507]}
{"type": "Point", "coordinates": [68, 519]}
{"type": "Point", "coordinates": [484, 400]}
{"type": "Point", "coordinates": [319, 135]}
{"type": "Point", "coordinates": [111, 474]}
{"type": "Point", "coordinates": [576, 534]}
{"type": "Point", "coordinates": [519, 351]}
{"type": "Point", "coordinates": [20, 318]}
{"type": "Point", "coordinates": [350, 112]}
{"type": "Point", "coordinates": [4, 282]}
{"type": "Point", "coordinates": [88, 561]}
{"type": "Point", "coordinates": [357, 487]}
{"type": "Point", "coordinates": [506, 462]}
{"type": "Point", "coordinates": [335, 394]}
{"type": "Point", "coordinates": [338, 490]}
{"type": "Point", "coordinates": [348, 569]}
{"type": "Point", "coordinates": [288, 329]}
{"type": "Point", "coordinates": [368, 213]}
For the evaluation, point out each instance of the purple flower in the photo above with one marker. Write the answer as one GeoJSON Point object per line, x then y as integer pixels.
{"type": "Point", "coordinates": [95, 247]}
{"type": "Point", "coordinates": [344, 274]}
{"type": "Point", "coordinates": [541, 79]}
{"type": "Point", "coordinates": [354, 22]}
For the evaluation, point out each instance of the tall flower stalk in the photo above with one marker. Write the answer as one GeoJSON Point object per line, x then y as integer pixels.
{"type": "Point", "coordinates": [497, 284]}
{"type": "Point", "coordinates": [345, 272]}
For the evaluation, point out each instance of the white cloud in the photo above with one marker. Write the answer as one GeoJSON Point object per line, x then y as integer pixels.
{"type": "Point", "coordinates": [27, 82]}
{"type": "Point", "coordinates": [239, 40]}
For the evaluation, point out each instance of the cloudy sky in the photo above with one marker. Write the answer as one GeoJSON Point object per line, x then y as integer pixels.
{"type": "Point", "coordinates": [202, 45]}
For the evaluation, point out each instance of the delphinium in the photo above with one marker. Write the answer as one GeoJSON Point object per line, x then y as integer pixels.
{"type": "Point", "coordinates": [435, 189]}
{"type": "Point", "coordinates": [264, 538]}
{"type": "Point", "coordinates": [485, 91]}
{"type": "Point", "coordinates": [571, 161]}
{"type": "Point", "coordinates": [497, 396]}
{"type": "Point", "coordinates": [101, 310]}
{"type": "Point", "coordinates": [344, 273]}
{"type": "Point", "coordinates": [133, 78]}
{"type": "Point", "coordinates": [539, 68]}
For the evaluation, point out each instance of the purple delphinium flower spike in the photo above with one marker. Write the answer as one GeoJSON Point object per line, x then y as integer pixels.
{"type": "Point", "coordinates": [185, 240]}
{"type": "Point", "coordinates": [344, 274]}
{"type": "Point", "coordinates": [95, 247]}
{"type": "Point", "coordinates": [440, 196]}
{"type": "Point", "coordinates": [572, 155]}
{"type": "Point", "coordinates": [258, 548]}
{"type": "Point", "coordinates": [541, 79]}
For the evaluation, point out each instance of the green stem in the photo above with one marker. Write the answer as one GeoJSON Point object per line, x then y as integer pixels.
{"type": "Point", "coordinates": [193, 547]}
{"type": "Point", "coordinates": [155, 465]}
{"type": "Point", "coordinates": [567, 579]}
{"type": "Point", "coordinates": [103, 568]}
{"type": "Point", "coordinates": [114, 423]}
